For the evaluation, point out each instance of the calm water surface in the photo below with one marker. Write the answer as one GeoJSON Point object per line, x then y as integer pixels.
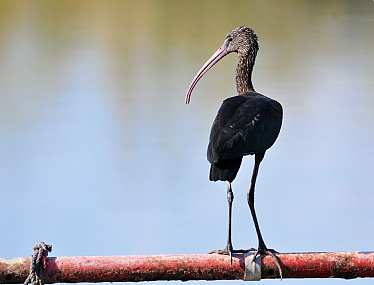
{"type": "Point", "coordinates": [97, 143]}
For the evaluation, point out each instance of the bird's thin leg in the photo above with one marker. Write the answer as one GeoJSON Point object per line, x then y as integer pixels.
{"type": "Point", "coordinates": [262, 249]}
{"type": "Point", "coordinates": [230, 199]}
{"type": "Point", "coordinates": [229, 249]}
{"type": "Point", "coordinates": [251, 199]}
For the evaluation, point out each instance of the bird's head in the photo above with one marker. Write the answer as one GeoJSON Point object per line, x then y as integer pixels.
{"type": "Point", "coordinates": [241, 40]}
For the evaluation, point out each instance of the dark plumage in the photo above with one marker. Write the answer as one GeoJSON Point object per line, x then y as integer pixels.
{"type": "Point", "coordinates": [245, 124]}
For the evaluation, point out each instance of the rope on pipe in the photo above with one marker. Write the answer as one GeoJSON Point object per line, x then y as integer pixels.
{"type": "Point", "coordinates": [38, 262]}
{"type": "Point", "coordinates": [347, 265]}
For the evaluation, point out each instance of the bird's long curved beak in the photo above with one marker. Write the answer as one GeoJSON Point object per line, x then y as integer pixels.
{"type": "Point", "coordinates": [220, 53]}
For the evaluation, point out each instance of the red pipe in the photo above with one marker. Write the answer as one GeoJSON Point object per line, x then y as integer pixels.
{"type": "Point", "coordinates": [346, 265]}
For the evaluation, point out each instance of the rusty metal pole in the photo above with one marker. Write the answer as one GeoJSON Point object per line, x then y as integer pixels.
{"type": "Point", "coordinates": [346, 265]}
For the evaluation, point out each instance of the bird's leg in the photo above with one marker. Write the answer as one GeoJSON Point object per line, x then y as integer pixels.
{"type": "Point", "coordinates": [262, 249]}
{"type": "Point", "coordinates": [230, 199]}
{"type": "Point", "coordinates": [251, 200]}
{"type": "Point", "coordinates": [229, 249]}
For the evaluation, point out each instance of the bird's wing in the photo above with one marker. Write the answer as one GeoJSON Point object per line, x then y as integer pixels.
{"type": "Point", "coordinates": [242, 127]}
{"type": "Point", "coordinates": [226, 137]}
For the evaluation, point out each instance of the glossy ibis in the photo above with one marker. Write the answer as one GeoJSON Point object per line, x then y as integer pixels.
{"type": "Point", "coordinates": [248, 123]}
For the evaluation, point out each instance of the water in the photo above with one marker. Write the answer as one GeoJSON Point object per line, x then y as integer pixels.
{"type": "Point", "coordinates": [100, 155]}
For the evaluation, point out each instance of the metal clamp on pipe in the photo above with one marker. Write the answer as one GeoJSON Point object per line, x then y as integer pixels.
{"type": "Point", "coordinates": [252, 267]}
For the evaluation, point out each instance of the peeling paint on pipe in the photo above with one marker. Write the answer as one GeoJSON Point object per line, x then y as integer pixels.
{"type": "Point", "coordinates": [345, 265]}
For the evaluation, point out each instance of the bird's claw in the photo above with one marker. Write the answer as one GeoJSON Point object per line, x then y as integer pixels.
{"type": "Point", "coordinates": [272, 253]}
{"type": "Point", "coordinates": [261, 251]}
{"type": "Point", "coordinates": [223, 252]}
{"type": "Point", "coordinates": [219, 251]}
{"type": "Point", "coordinates": [271, 250]}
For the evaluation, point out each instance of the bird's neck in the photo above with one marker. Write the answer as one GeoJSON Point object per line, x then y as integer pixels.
{"type": "Point", "coordinates": [244, 74]}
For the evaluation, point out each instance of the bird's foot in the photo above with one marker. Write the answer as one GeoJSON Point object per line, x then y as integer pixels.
{"type": "Point", "coordinates": [270, 252]}
{"type": "Point", "coordinates": [230, 252]}
{"type": "Point", "coordinates": [227, 251]}
{"type": "Point", "coordinates": [219, 251]}
{"type": "Point", "coordinates": [223, 252]}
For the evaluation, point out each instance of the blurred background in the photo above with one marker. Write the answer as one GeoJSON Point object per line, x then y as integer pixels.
{"type": "Point", "coordinates": [101, 156]}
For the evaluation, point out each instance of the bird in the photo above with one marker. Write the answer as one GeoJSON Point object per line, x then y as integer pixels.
{"type": "Point", "coordinates": [246, 124]}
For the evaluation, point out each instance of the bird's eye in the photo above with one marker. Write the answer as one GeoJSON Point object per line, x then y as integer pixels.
{"type": "Point", "coordinates": [228, 40]}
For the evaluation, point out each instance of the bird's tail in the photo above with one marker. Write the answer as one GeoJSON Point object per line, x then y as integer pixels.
{"type": "Point", "coordinates": [225, 170]}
